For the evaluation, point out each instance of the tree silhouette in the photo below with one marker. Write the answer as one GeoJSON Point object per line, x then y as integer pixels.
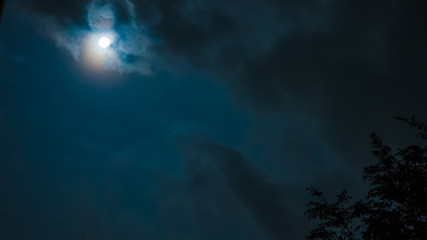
{"type": "Point", "coordinates": [395, 206]}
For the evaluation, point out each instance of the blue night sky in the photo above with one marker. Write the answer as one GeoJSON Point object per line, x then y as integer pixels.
{"type": "Point", "coordinates": [202, 119]}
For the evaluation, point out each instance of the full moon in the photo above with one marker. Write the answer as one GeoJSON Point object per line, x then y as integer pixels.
{"type": "Point", "coordinates": [104, 42]}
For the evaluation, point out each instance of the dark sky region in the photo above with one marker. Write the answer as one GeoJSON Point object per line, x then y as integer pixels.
{"type": "Point", "coordinates": [203, 119]}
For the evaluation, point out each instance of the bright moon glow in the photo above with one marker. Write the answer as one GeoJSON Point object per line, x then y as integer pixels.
{"type": "Point", "coordinates": [104, 42]}
{"type": "Point", "coordinates": [98, 51]}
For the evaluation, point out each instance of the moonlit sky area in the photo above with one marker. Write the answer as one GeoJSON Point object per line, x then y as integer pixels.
{"type": "Point", "coordinates": [199, 119]}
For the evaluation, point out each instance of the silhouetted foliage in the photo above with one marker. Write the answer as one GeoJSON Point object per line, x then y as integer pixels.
{"type": "Point", "coordinates": [337, 217]}
{"type": "Point", "coordinates": [395, 206]}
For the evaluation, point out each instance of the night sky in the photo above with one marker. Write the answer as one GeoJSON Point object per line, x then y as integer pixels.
{"type": "Point", "coordinates": [202, 119]}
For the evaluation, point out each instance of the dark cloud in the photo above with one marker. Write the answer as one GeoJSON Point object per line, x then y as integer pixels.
{"type": "Point", "coordinates": [313, 59]}
{"type": "Point", "coordinates": [329, 55]}
{"type": "Point", "coordinates": [276, 207]}
{"type": "Point", "coordinates": [190, 35]}
{"type": "Point", "coordinates": [67, 12]}
{"type": "Point", "coordinates": [371, 50]}
{"type": "Point", "coordinates": [75, 12]}
{"type": "Point", "coordinates": [2, 2]}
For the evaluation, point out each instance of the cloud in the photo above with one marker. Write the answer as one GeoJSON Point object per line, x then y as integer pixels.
{"type": "Point", "coordinates": [351, 74]}
{"type": "Point", "coordinates": [73, 27]}
{"type": "Point", "coordinates": [312, 59]}
{"type": "Point", "coordinates": [160, 34]}
{"type": "Point", "coordinates": [348, 67]}
{"type": "Point", "coordinates": [274, 206]}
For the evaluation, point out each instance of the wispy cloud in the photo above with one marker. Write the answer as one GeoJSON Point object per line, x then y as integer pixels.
{"type": "Point", "coordinates": [130, 42]}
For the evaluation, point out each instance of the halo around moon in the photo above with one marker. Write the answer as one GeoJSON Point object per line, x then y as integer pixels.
{"type": "Point", "coordinates": [98, 52]}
